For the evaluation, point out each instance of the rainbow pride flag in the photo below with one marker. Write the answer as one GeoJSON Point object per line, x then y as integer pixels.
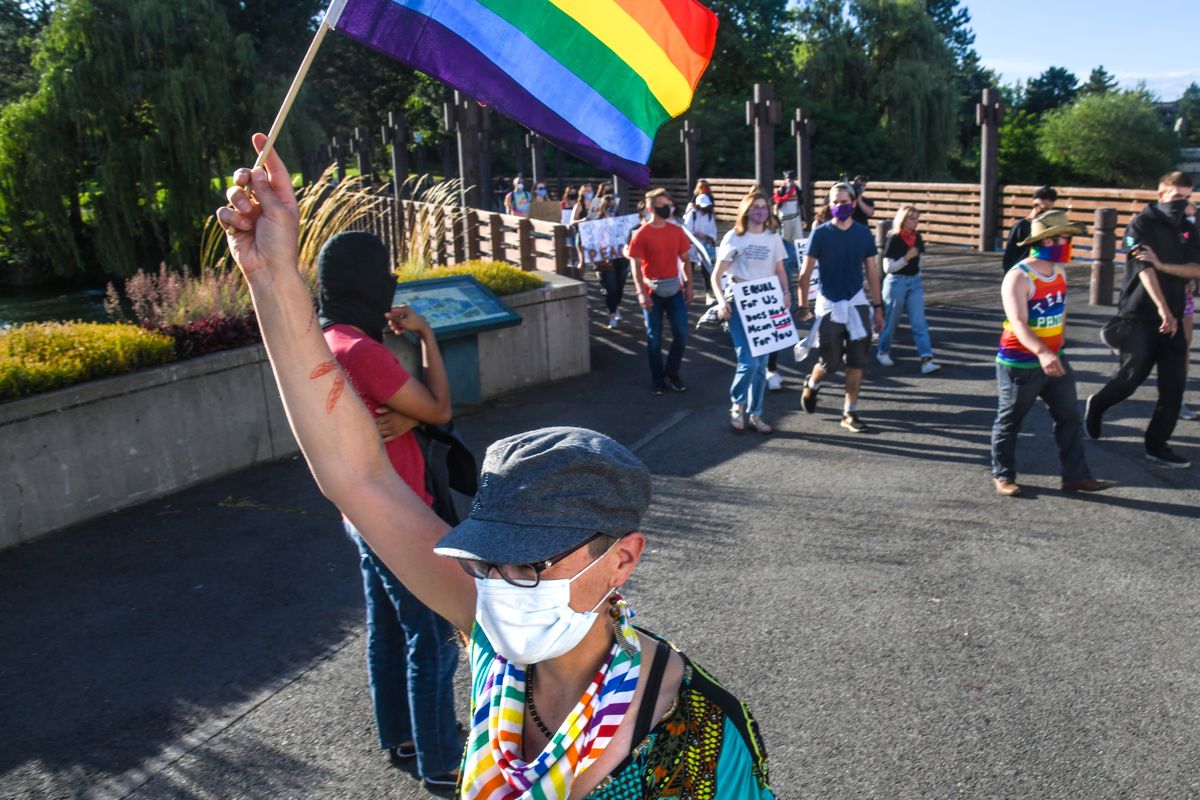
{"type": "Point", "coordinates": [595, 77]}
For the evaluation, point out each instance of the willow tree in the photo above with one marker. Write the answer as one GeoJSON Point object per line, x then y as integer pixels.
{"type": "Point", "coordinates": [113, 160]}
{"type": "Point", "coordinates": [913, 82]}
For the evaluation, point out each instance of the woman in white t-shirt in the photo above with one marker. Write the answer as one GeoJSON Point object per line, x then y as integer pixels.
{"type": "Point", "coordinates": [752, 250]}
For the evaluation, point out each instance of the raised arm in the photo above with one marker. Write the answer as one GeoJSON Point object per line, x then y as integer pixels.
{"type": "Point", "coordinates": [335, 432]}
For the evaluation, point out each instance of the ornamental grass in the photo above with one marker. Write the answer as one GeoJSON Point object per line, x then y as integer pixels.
{"type": "Point", "coordinates": [39, 357]}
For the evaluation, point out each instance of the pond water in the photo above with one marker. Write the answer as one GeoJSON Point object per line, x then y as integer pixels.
{"type": "Point", "coordinates": [32, 305]}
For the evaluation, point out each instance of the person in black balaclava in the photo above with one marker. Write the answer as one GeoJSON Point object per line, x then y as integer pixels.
{"type": "Point", "coordinates": [1163, 254]}
{"type": "Point", "coordinates": [354, 284]}
{"type": "Point", "coordinates": [411, 654]}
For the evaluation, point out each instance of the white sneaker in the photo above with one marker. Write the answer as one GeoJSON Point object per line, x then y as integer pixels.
{"type": "Point", "coordinates": [885, 359]}
{"type": "Point", "coordinates": [1188, 413]}
{"type": "Point", "coordinates": [613, 320]}
{"type": "Point", "coordinates": [617, 315]}
{"type": "Point", "coordinates": [930, 366]}
{"type": "Point", "coordinates": [774, 381]}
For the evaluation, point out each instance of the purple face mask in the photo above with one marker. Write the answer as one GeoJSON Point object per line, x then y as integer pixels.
{"type": "Point", "coordinates": [842, 211]}
{"type": "Point", "coordinates": [757, 215]}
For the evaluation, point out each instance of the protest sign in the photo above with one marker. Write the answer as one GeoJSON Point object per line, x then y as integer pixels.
{"type": "Point", "coordinates": [603, 239]}
{"type": "Point", "coordinates": [768, 322]}
{"type": "Point", "coordinates": [814, 282]}
{"type": "Point", "coordinates": [546, 210]}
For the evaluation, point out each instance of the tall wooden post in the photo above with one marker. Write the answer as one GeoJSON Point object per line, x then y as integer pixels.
{"type": "Point", "coordinates": [558, 171]}
{"type": "Point", "coordinates": [419, 152]}
{"type": "Point", "coordinates": [484, 144]}
{"type": "Point", "coordinates": [988, 116]}
{"type": "Point", "coordinates": [764, 112]}
{"type": "Point", "coordinates": [690, 137]}
{"type": "Point", "coordinates": [462, 119]}
{"type": "Point", "coordinates": [1104, 252]}
{"type": "Point", "coordinates": [337, 150]}
{"type": "Point", "coordinates": [883, 229]}
{"type": "Point", "coordinates": [395, 138]}
{"type": "Point", "coordinates": [803, 128]}
{"type": "Point", "coordinates": [621, 190]}
{"type": "Point", "coordinates": [536, 143]}
{"type": "Point", "coordinates": [363, 149]}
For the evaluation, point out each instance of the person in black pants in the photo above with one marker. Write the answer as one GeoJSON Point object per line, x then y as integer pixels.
{"type": "Point", "coordinates": [1164, 253]}
{"type": "Point", "coordinates": [1044, 199]}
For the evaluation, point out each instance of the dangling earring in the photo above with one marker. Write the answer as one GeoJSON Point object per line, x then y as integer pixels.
{"type": "Point", "coordinates": [614, 612]}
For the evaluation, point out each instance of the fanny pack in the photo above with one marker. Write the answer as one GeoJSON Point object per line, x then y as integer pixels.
{"type": "Point", "coordinates": [664, 287]}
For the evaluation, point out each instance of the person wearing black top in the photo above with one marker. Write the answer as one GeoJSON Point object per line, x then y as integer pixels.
{"type": "Point", "coordinates": [903, 291]}
{"type": "Point", "coordinates": [864, 209]}
{"type": "Point", "coordinates": [1164, 253]}
{"type": "Point", "coordinates": [1043, 200]}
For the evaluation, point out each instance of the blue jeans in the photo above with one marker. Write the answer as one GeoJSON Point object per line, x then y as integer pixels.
{"type": "Point", "coordinates": [750, 380]}
{"type": "Point", "coordinates": [612, 283]}
{"type": "Point", "coordinates": [1018, 388]}
{"type": "Point", "coordinates": [411, 659]}
{"type": "Point", "coordinates": [675, 308]}
{"type": "Point", "coordinates": [905, 293]}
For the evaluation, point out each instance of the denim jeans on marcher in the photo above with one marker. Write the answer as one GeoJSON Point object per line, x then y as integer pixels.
{"type": "Point", "coordinates": [676, 312]}
{"type": "Point", "coordinates": [1144, 349]}
{"type": "Point", "coordinates": [612, 283]}
{"type": "Point", "coordinates": [905, 294]}
{"type": "Point", "coordinates": [1018, 388]}
{"type": "Point", "coordinates": [750, 379]}
{"type": "Point", "coordinates": [411, 659]}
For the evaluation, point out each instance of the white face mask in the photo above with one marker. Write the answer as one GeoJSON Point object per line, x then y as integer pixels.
{"type": "Point", "coordinates": [529, 625]}
{"type": "Point", "coordinates": [1191, 219]}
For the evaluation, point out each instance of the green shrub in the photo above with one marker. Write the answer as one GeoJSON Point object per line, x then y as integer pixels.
{"type": "Point", "coordinates": [501, 278]}
{"type": "Point", "coordinates": [40, 357]}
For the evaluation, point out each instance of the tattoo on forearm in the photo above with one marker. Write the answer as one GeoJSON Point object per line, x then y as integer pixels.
{"type": "Point", "coordinates": [339, 383]}
{"type": "Point", "coordinates": [323, 369]}
{"type": "Point", "coordinates": [334, 393]}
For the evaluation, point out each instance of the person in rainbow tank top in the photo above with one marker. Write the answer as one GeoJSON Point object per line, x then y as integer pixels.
{"type": "Point", "coordinates": [568, 699]}
{"type": "Point", "coordinates": [1030, 363]}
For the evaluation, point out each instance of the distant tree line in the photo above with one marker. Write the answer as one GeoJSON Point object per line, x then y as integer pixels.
{"type": "Point", "coordinates": [119, 119]}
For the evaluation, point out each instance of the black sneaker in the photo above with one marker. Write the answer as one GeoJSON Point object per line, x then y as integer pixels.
{"type": "Point", "coordinates": [1091, 422]}
{"type": "Point", "coordinates": [442, 785]}
{"type": "Point", "coordinates": [402, 753]}
{"type": "Point", "coordinates": [674, 384]}
{"type": "Point", "coordinates": [1168, 458]}
{"type": "Point", "coordinates": [808, 398]}
{"type": "Point", "coordinates": [851, 422]}
{"type": "Point", "coordinates": [659, 388]}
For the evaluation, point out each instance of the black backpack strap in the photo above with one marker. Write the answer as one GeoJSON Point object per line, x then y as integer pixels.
{"type": "Point", "coordinates": [645, 717]}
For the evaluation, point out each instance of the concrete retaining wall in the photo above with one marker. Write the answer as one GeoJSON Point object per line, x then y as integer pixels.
{"type": "Point", "coordinates": [76, 453]}
{"type": "Point", "coordinates": [72, 454]}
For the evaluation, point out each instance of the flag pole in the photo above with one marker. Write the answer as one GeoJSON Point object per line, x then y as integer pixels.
{"type": "Point", "coordinates": [330, 19]}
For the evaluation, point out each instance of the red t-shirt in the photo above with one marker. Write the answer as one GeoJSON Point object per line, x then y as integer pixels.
{"type": "Point", "coordinates": [376, 375]}
{"type": "Point", "coordinates": [660, 250]}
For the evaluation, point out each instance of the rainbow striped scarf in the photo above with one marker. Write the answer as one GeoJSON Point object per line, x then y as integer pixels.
{"type": "Point", "coordinates": [494, 767]}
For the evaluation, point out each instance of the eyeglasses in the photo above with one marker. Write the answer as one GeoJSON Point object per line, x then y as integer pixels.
{"type": "Point", "coordinates": [525, 576]}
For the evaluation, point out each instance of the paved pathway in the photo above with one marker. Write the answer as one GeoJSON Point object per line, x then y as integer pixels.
{"type": "Point", "coordinates": [897, 628]}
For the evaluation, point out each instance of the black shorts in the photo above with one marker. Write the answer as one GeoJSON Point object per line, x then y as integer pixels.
{"type": "Point", "coordinates": [836, 345]}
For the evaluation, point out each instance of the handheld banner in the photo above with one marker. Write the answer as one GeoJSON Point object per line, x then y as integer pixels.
{"type": "Point", "coordinates": [769, 324]}
{"type": "Point", "coordinates": [604, 239]}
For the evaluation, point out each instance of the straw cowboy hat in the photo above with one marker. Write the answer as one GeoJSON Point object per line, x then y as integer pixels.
{"type": "Point", "coordinates": [1053, 223]}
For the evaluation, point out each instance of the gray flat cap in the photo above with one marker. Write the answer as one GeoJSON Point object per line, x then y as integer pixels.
{"type": "Point", "coordinates": [545, 491]}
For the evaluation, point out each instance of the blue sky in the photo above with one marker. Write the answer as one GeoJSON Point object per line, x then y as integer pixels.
{"type": "Point", "coordinates": [1021, 38]}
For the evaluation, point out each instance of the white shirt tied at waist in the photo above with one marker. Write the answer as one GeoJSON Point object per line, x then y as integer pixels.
{"type": "Point", "coordinates": [840, 311]}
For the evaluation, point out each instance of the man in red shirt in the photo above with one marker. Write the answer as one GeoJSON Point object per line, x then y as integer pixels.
{"type": "Point", "coordinates": [658, 250]}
